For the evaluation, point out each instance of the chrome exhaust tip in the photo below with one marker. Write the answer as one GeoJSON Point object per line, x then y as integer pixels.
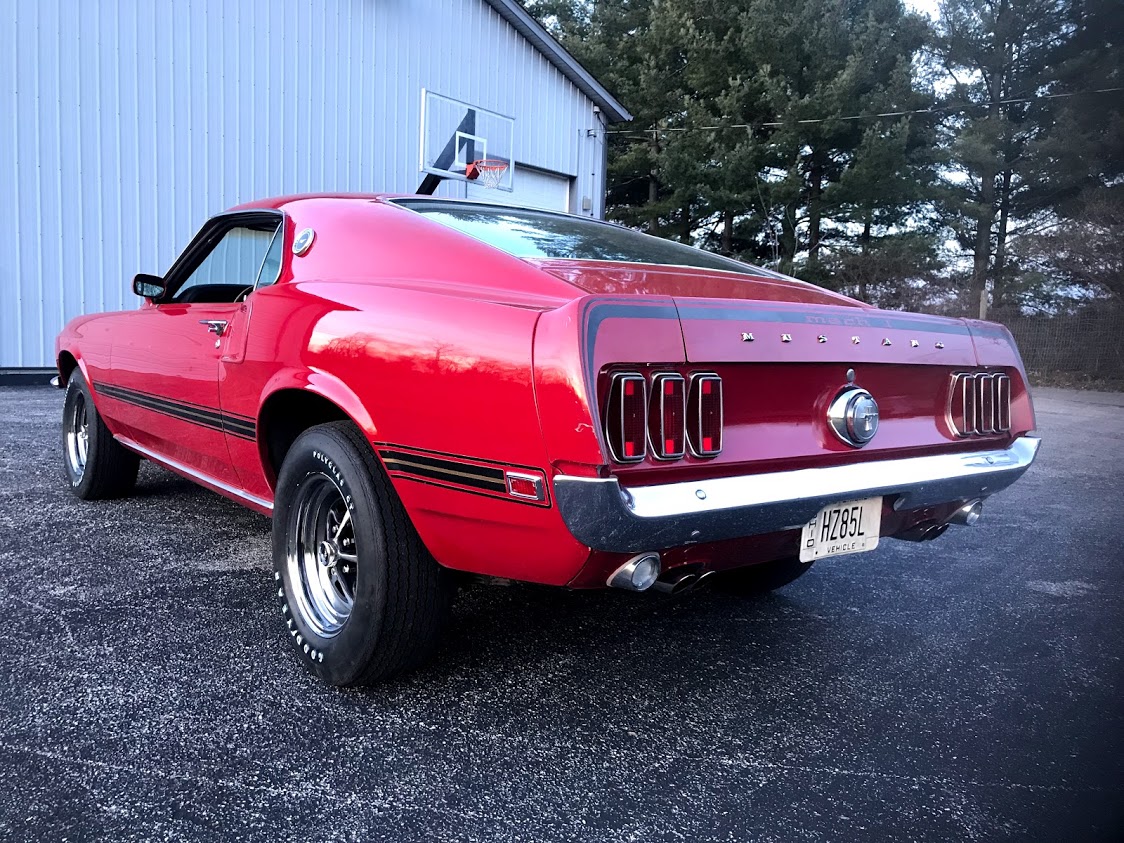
{"type": "Point", "coordinates": [680, 582]}
{"type": "Point", "coordinates": [677, 582]}
{"type": "Point", "coordinates": [637, 574]}
{"type": "Point", "coordinates": [56, 383]}
{"type": "Point", "coordinates": [968, 514]}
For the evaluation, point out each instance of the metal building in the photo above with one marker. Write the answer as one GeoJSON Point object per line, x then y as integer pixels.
{"type": "Point", "coordinates": [124, 124]}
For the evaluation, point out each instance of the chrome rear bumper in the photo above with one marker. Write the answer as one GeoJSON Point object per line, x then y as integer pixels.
{"type": "Point", "coordinates": [605, 516]}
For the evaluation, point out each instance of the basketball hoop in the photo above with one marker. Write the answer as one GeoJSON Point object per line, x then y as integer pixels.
{"type": "Point", "coordinates": [489, 171]}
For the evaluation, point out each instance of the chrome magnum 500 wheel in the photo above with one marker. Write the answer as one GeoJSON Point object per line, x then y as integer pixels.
{"type": "Point", "coordinates": [321, 555]}
{"type": "Point", "coordinates": [96, 465]}
{"type": "Point", "coordinates": [361, 597]}
{"type": "Point", "coordinates": [76, 435]}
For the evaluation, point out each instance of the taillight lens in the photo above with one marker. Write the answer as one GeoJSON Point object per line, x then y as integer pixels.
{"type": "Point", "coordinates": [704, 415]}
{"type": "Point", "coordinates": [1003, 403]}
{"type": "Point", "coordinates": [626, 417]}
{"type": "Point", "coordinates": [980, 403]}
{"type": "Point", "coordinates": [529, 486]}
{"type": "Point", "coordinates": [667, 414]}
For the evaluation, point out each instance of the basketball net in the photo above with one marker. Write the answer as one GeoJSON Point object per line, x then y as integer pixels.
{"type": "Point", "coordinates": [488, 171]}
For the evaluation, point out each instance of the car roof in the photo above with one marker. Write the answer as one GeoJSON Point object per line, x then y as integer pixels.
{"type": "Point", "coordinates": [279, 202]}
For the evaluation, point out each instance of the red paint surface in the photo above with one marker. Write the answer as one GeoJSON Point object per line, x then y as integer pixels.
{"type": "Point", "coordinates": [429, 339]}
{"type": "Point", "coordinates": [609, 278]}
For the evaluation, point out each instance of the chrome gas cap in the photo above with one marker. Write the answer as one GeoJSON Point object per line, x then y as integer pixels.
{"type": "Point", "coordinates": [853, 416]}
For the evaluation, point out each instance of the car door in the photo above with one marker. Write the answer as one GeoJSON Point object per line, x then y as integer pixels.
{"type": "Point", "coordinates": [163, 381]}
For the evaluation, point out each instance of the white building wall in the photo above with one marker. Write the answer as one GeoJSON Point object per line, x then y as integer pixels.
{"type": "Point", "coordinates": [125, 123]}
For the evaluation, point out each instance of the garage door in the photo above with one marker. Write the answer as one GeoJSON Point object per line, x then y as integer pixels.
{"type": "Point", "coordinates": [531, 188]}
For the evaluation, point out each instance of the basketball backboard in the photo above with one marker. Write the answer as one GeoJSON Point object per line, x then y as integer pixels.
{"type": "Point", "coordinates": [455, 133]}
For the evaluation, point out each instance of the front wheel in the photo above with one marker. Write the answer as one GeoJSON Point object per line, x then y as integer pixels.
{"type": "Point", "coordinates": [96, 465]}
{"type": "Point", "coordinates": [760, 579]}
{"type": "Point", "coordinates": [361, 597]}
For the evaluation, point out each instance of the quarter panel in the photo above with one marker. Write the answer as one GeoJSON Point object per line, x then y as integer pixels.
{"type": "Point", "coordinates": [453, 376]}
{"type": "Point", "coordinates": [493, 537]}
{"type": "Point", "coordinates": [995, 347]}
{"type": "Point", "coordinates": [418, 370]}
{"type": "Point", "coordinates": [573, 345]}
{"type": "Point", "coordinates": [434, 372]}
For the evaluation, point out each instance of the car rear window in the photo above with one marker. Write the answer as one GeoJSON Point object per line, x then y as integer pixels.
{"type": "Point", "coordinates": [541, 234]}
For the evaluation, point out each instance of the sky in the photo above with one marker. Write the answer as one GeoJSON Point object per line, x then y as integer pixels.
{"type": "Point", "coordinates": [928, 7]}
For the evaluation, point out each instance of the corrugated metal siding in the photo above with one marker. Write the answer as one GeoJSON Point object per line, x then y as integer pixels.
{"type": "Point", "coordinates": [125, 123]}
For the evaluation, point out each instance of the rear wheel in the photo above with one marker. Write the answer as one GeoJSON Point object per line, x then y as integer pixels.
{"type": "Point", "coordinates": [96, 465]}
{"type": "Point", "coordinates": [361, 597]}
{"type": "Point", "coordinates": [761, 579]}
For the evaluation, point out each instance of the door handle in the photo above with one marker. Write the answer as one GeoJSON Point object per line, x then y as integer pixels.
{"type": "Point", "coordinates": [215, 326]}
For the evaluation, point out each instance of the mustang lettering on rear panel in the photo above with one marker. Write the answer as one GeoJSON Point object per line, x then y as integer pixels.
{"type": "Point", "coordinates": [417, 390]}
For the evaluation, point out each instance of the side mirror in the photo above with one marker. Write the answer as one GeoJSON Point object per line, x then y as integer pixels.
{"type": "Point", "coordinates": [149, 286]}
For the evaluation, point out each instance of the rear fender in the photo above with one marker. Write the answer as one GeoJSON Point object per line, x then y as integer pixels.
{"type": "Point", "coordinates": [573, 344]}
{"type": "Point", "coordinates": [327, 386]}
{"type": "Point", "coordinates": [996, 348]}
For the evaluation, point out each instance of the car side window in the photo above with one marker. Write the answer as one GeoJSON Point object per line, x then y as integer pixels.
{"type": "Point", "coordinates": [271, 268]}
{"type": "Point", "coordinates": [231, 269]}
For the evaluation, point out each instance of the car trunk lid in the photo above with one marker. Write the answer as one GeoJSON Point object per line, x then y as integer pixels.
{"type": "Point", "coordinates": [737, 331]}
{"type": "Point", "coordinates": [730, 317]}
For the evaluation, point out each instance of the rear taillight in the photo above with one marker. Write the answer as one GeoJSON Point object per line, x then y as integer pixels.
{"type": "Point", "coordinates": [980, 403]}
{"type": "Point", "coordinates": [667, 414]}
{"type": "Point", "coordinates": [626, 417]}
{"type": "Point", "coordinates": [704, 415]}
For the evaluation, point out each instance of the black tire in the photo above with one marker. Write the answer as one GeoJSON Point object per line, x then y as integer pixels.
{"type": "Point", "coordinates": [96, 465]}
{"type": "Point", "coordinates": [399, 595]}
{"type": "Point", "coordinates": [760, 579]}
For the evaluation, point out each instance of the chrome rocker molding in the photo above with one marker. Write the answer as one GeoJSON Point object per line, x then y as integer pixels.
{"type": "Point", "coordinates": [206, 479]}
{"type": "Point", "coordinates": [604, 516]}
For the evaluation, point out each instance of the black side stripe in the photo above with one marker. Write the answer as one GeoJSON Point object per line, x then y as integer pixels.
{"type": "Point", "coordinates": [471, 477]}
{"type": "Point", "coordinates": [105, 387]}
{"type": "Point", "coordinates": [466, 491]}
{"type": "Point", "coordinates": [485, 471]}
{"type": "Point", "coordinates": [239, 426]}
{"type": "Point", "coordinates": [462, 474]}
{"type": "Point", "coordinates": [413, 453]}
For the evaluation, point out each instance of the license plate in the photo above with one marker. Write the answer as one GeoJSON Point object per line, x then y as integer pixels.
{"type": "Point", "coordinates": [847, 527]}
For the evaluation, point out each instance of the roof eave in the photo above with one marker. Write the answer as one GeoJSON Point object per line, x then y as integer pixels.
{"type": "Point", "coordinates": [514, 13]}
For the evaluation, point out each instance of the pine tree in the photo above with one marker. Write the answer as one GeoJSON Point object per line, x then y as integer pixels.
{"type": "Point", "coordinates": [708, 81]}
{"type": "Point", "coordinates": [823, 63]}
{"type": "Point", "coordinates": [1001, 57]}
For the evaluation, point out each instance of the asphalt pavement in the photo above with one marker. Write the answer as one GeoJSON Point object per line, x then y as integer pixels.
{"type": "Point", "coordinates": [964, 689]}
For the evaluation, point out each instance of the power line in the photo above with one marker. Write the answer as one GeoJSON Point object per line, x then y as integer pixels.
{"type": "Point", "coordinates": [931, 110]}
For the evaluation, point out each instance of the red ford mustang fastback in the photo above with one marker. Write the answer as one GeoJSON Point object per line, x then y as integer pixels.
{"type": "Point", "coordinates": [414, 387]}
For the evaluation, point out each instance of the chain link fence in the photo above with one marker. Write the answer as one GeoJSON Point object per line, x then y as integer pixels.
{"type": "Point", "coordinates": [1084, 346]}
